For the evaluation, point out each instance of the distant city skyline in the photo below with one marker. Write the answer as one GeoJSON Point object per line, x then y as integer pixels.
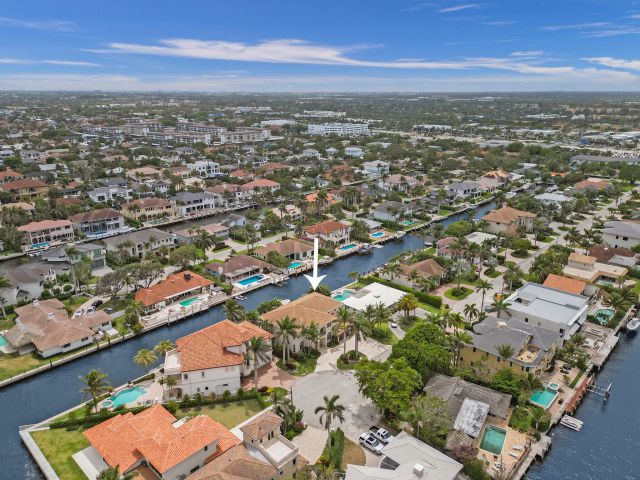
{"type": "Point", "coordinates": [293, 46]}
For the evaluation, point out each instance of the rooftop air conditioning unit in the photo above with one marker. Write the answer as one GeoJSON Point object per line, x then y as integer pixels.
{"type": "Point", "coordinates": [418, 470]}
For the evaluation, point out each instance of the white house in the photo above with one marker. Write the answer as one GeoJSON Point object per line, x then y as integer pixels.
{"type": "Point", "coordinates": [621, 234]}
{"type": "Point", "coordinates": [376, 167]}
{"type": "Point", "coordinates": [205, 168]}
{"type": "Point", "coordinates": [354, 152]}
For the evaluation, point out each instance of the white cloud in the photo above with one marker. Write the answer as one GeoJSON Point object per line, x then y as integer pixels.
{"type": "Point", "coordinates": [65, 63]}
{"type": "Point", "coordinates": [457, 8]}
{"type": "Point", "coordinates": [499, 23]}
{"type": "Point", "coordinates": [528, 53]}
{"type": "Point", "coordinates": [48, 25]}
{"type": "Point", "coordinates": [615, 62]}
{"type": "Point", "coordinates": [576, 26]}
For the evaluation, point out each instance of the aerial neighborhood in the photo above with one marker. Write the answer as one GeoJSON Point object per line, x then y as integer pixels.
{"type": "Point", "coordinates": [269, 288]}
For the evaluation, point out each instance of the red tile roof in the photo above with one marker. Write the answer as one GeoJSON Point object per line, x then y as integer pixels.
{"type": "Point", "coordinates": [43, 225]}
{"type": "Point", "coordinates": [95, 215]}
{"type": "Point", "coordinates": [125, 439]}
{"type": "Point", "coordinates": [326, 227]}
{"type": "Point", "coordinates": [23, 183]}
{"type": "Point", "coordinates": [173, 285]}
{"type": "Point", "coordinates": [565, 284]}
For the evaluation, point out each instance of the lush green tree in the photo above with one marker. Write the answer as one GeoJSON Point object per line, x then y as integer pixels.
{"type": "Point", "coordinates": [429, 419]}
{"type": "Point", "coordinates": [258, 350]}
{"type": "Point", "coordinates": [389, 385]}
{"type": "Point", "coordinates": [507, 381]}
{"type": "Point", "coordinates": [234, 311]}
{"type": "Point", "coordinates": [95, 385]}
{"type": "Point", "coordinates": [287, 331]}
{"type": "Point", "coordinates": [145, 358]}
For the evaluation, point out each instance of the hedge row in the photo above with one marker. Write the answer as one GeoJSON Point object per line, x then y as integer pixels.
{"type": "Point", "coordinates": [90, 420]}
{"type": "Point", "coordinates": [433, 300]}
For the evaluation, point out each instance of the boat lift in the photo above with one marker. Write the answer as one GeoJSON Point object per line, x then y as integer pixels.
{"type": "Point", "coordinates": [605, 393]}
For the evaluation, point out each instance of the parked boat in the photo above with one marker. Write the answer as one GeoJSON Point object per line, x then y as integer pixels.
{"type": "Point", "coordinates": [364, 249]}
{"type": "Point", "coordinates": [633, 325]}
{"type": "Point", "coordinates": [572, 423]}
{"type": "Point", "coordinates": [240, 297]}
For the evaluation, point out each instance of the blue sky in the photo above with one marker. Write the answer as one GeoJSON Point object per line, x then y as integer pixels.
{"type": "Point", "coordinates": [347, 45]}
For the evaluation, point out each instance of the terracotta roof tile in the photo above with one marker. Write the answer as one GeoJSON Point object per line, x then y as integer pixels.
{"type": "Point", "coordinates": [173, 285]}
{"type": "Point", "coordinates": [565, 284]}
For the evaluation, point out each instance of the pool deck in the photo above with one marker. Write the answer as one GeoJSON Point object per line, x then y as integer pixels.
{"type": "Point", "coordinates": [512, 439]}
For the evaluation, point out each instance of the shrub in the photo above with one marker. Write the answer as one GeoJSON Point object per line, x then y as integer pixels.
{"type": "Point", "coordinates": [226, 396]}
{"type": "Point", "coordinates": [172, 406]}
{"type": "Point", "coordinates": [475, 470]}
{"type": "Point", "coordinates": [240, 393]}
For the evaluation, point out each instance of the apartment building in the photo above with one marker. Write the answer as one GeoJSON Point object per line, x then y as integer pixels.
{"type": "Point", "coordinates": [245, 135]}
{"type": "Point", "coordinates": [340, 129]}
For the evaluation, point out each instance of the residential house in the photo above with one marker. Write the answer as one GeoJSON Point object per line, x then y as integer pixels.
{"type": "Point", "coordinates": [376, 167]}
{"type": "Point", "coordinates": [205, 168]}
{"type": "Point", "coordinates": [230, 195]}
{"type": "Point", "coordinates": [397, 183]}
{"type": "Point", "coordinates": [589, 270]}
{"type": "Point", "coordinates": [329, 231]}
{"type": "Point", "coordinates": [569, 285]}
{"type": "Point", "coordinates": [140, 243]}
{"type": "Point", "coordinates": [217, 230]}
{"type": "Point", "coordinates": [289, 212]}
{"type": "Point", "coordinates": [592, 185]}
{"type": "Point", "coordinates": [464, 189]}
{"type": "Point", "coordinates": [26, 188]}
{"type": "Point", "coordinates": [176, 287]}
{"type": "Point", "coordinates": [548, 308]}
{"type": "Point", "coordinates": [615, 256]}
{"type": "Point", "coordinates": [392, 211]}
{"type": "Point", "coordinates": [154, 444]}
{"type": "Point", "coordinates": [500, 175]}
{"type": "Point", "coordinates": [488, 184]}
{"type": "Point", "coordinates": [30, 156]}
{"type": "Point", "coordinates": [407, 458]}
{"type": "Point", "coordinates": [354, 152]}
{"type": "Point", "coordinates": [445, 248]}
{"type": "Point", "coordinates": [261, 185]}
{"type": "Point", "coordinates": [100, 222]}
{"type": "Point", "coordinates": [94, 253]}
{"type": "Point", "coordinates": [311, 153]}
{"type": "Point", "coordinates": [292, 248]}
{"type": "Point", "coordinates": [9, 175]}
{"type": "Point", "coordinates": [26, 280]}
{"type": "Point", "coordinates": [311, 308]}
{"type": "Point", "coordinates": [555, 200]}
{"type": "Point", "coordinates": [533, 346]}
{"type": "Point", "coordinates": [192, 203]}
{"type": "Point", "coordinates": [46, 233]}
{"type": "Point", "coordinates": [621, 234]}
{"type": "Point", "coordinates": [109, 194]}
{"type": "Point", "coordinates": [264, 454]}
{"type": "Point", "coordinates": [150, 209]}
{"type": "Point", "coordinates": [214, 359]}
{"type": "Point", "coordinates": [508, 220]}
{"type": "Point", "coordinates": [374, 294]}
{"type": "Point", "coordinates": [44, 326]}
{"type": "Point", "coordinates": [238, 267]}
{"type": "Point", "coordinates": [143, 172]}
{"type": "Point", "coordinates": [424, 269]}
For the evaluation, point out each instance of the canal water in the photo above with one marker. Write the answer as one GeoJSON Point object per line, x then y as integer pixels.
{"type": "Point", "coordinates": [49, 393]}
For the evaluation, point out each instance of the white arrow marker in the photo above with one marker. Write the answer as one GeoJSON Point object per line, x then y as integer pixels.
{"type": "Point", "coordinates": [315, 280]}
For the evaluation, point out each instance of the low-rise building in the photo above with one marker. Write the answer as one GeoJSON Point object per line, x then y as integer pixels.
{"type": "Point", "coordinates": [141, 242]}
{"type": "Point", "coordinates": [100, 222]}
{"type": "Point", "coordinates": [26, 188]}
{"type": "Point", "coordinates": [46, 233]}
{"type": "Point", "coordinates": [424, 269]}
{"type": "Point", "coordinates": [205, 168]}
{"type": "Point", "coordinates": [589, 270]}
{"type": "Point", "coordinates": [376, 167]}
{"type": "Point", "coordinates": [392, 211]}
{"type": "Point", "coordinates": [94, 253]}
{"type": "Point", "coordinates": [398, 183]}
{"type": "Point", "coordinates": [621, 234]}
{"type": "Point", "coordinates": [464, 189]}
{"type": "Point", "coordinates": [110, 193]}
{"type": "Point", "coordinates": [329, 231]}
{"type": "Point", "coordinates": [150, 209]}
{"type": "Point", "coordinates": [292, 248]}
{"type": "Point", "coordinates": [174, 288]}
{"type": "Point", "coordinates": [193, 203]}
{"type": "Point", "coordinates": [239, 267]}
{"type": "Point", "coordinates": [508, 220]}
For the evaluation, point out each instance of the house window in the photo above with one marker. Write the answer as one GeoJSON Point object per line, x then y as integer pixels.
{"type": "Point", "coordinates": [474, 349]}
{"type": "Point", "coordinates": [185, 376]}
{"type": "Point", "coordinates": [202, 374]}
{"type": "Point", "coordinates": [206, 447]}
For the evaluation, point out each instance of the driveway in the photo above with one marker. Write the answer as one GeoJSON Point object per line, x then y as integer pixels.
{"type": "Point", "coordinates": [271, 376]}
{"type": "Point", "coordinates": [371, 348]}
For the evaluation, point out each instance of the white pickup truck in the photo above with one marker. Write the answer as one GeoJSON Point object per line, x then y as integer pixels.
{"type": "Point", "coordinates": [381, 434]}
{"type": "Point", "coordinates": [369, 441]}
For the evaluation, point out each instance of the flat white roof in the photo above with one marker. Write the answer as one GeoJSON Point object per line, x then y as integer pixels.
{"type": "Point", "coordinates": [374, 294]}
{"type": "Point", "coordinates": [548, 303]}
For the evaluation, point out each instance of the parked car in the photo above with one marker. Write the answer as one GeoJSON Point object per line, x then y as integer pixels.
{"type": "Point", "coordinates": [79, 312]}
{"type": "Point", "coordinates": [108, 310]}
{"type": "Point", "coordinates": [381, 434]}
{"type": "Point", "coordinates": [393, 323]}
{"type": "Point", "coordinates": [369, 441]}
{"type": "Point", "coordinates": [91, 309]}
{"type": "Point", "coordinates": [97, 303]}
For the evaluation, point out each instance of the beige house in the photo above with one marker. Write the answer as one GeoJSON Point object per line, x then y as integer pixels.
{"type": "Point", "coordinates": [589, 270]}
{"type": "Point", "coordinates": [147, 209]}
{"type": "Point", "coordinates": [508, 220]}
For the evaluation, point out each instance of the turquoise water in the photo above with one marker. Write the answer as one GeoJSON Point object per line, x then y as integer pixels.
{"type": "Point", "coordinates": [250, 280]}
{"type": "Point", "coordinates": [348, 246]}
{"type": "Point", "coordinates": [377, 234]}
{"type": "Point", "coordinates": [294, 265]}
{"type": "Point", "coordinates": [493, 439]}
{"type": "Point", "coordinates": [3, 341]}
{"type": "Point", "coordinates": [127, 396]}
{"type": "Point", "coordinates": [341, 297]}
{"type": "Point", "coordinates": [189, 301]}
{"type": "Point", "coordinates": [38, 245]}
{"type": "Point", "coordinates": [543, 397]}
{"type": "Point", "coordinates": [408, 223]}
{"type": "Point", "coordinates": [603, 315]}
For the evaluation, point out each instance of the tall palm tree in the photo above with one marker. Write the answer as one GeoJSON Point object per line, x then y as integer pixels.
{"type": "Point", "coordinates": [234, 311]}
{"type": "Point", "coordinates": [95, 385]}
{"type": "Point", "coordinates": [407, 304]}
{"type": "Point", "coordinates": [257, 351]}
{"type": "Point", "coordinates": [392, 270]}
{"type": "Point", "coordinates": [500, 304]}
{"type": "Point", "coordinates": [330, 411]}
{"type": "Point", "coordinates": [460, 339]}
{"type": "Point", "coordinates": [344, 319]}
{"type": "Point", "coordinates": [483, 286]}
{"type": "Point", "coordinates": [145, 358]}
{"type": "Point", "coordinates": [360, 328]}
{"type": "Point", "coordinates": [287, 330]}
{"type": "Point", "coordinates": [163, 347]}
{"type": "Point", "coordinates": [470, 311]}
{"type": "Point", "coordinates": [311, 334]}
{"type": "Point", "coordinates": [505, 351]}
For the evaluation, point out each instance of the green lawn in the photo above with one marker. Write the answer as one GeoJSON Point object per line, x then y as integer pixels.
{"type": "Point", "coordinates": [451, 293]}
{"type": "Point", "coordinates": [431, 250]}
{"type": "Point", "coordinates": [58, 445]}
{"type": "Point", "coordinates": [303, 367]}
{"type": "Point", "coordinates": [352, 454]}
{"type": "Point", "coordinates": [14, 364]}
{"type": "Point", "coordinates": [520, 419]}
{"type": "Point", "coordinates": [228, 415]}
{"type": "Point", "coordinates": [7, 322]}
{"type": "Point", "coordinates": [492, 274]}
{"type": "Point", "coordinates": [71, 304]}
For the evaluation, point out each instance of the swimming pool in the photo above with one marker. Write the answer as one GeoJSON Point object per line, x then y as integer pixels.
{"type": "Point", "coordinates": [251, 280]}
{"type": "Point", "coordinates": [125, 396]}
{"type": "Point", "coordinates": [348, 246]}
{"type": "Point", "coordinates": [408, 223]}
{"type": "Point", "coordinates": [603, 315]}
{"type": "Point", "coordinates": [543, 398]}
{"type": "Point", "coordinates": [493, 439]}
{"type": "Point", "coordinates": [378, 234]}
{"type": "Point", "coordinates": [342, 296]}
{"type": "Point", "coordinates": [189, 301]}
{"type": "Point", "coordinates": [3, 341]}
{"type": "Point", "coordinates": [294, 265]}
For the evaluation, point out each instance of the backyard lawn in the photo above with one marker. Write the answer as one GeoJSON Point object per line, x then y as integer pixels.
{"type": "Point", "coordinates": [7, 322]}
{"type": "Point", "coordinates": [228, 415]}
{"type": "Point", "coordinates": [352, 454]}
{"type": "Point", "coordinates": [58, 445]}
{"type": "Point", "coordinates": [12, 364]}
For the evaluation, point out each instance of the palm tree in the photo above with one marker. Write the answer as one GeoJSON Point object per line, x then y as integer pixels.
{"type": "Point", "coordinates": [460, 339]}
{"type": "Point", "coordinates": [483, 286]}
{"type": "Point", "coordinates": [95, 385]}
{"type": "Point", "coordinates": [71, 251]}
{"type": "Point", "coordinates": [530, 382]}
{"type": "Point", "coordinates": [392, 270]}
{"type": "Point", "coordinates": [407, 304]}
{"type": "Point", "coordinates": [360, 328]}
{"type": "Point", "coordinates": [311, 334]}
{"type": "Point", "coordinates": [257, 350]}
{"type": "Point", "coordinates": [470, 311]}
{"type": "Point", "coordinates": [145, 358]}
{"type": "Point", "coordinates": [170, 382]}
{"type": "Point", "coordinates": [537, 414]}
{"type": "Point", "coordinates": [234, 311]}
{"type": "Point", "coordinates": [344, 319]}
{"type": "Point", "coordinates": [204, 240]}
{"type": "Point", "coordinates": [500, 304]}
{"type": "Point", "coordinates": [505, 351]}
{"type": "Point", "coordinates": [3, 302]}
{"type": "Point", "coordinates": [330, 411]}
{"type": "Point", "coordinates": [163, 347]}
{"type": "Point", "coordinates": [287, 330]}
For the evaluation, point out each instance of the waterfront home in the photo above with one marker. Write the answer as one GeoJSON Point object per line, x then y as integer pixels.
{"type": "Point", "coordinates": [292, 248]}
{"type": "Point", "coordinates": [499, 175]}
{"type": "Point", "coordinates": [239, 267]}
{"type": "Point", "coordinates": [311, 308]}
{"type": "Point", "coordinates": [154, 443]}
{"type": "Point", "coordinates": [288, 212]}
{"type": "Point", "coordinates": [193, 203]}
{"type": "Point", "coordinates": [103, 221]}
{"type": "Point", "coordinates": [148, 209]}
{"type": "Point", "coordinates": [508, 220]}
{"type": "Point", "coordinates": [26, 188]}
{"type": "Point", "coordinates": [592, 185]}
{"type": "Point", "coordinates": [555, 200]}
{"type": "Point", "coordinates": [329, 231]}
{"type": "Point", "coordinates": [217, 230]}
{"type": "Point", "coordinates": [405, 457]}
{"type": "Point", "coordinates": [26, 280]}
{"type": "Point", "coordinates": [586, 268]}
{"type": "Point", "coordinates": [229, 195]}
{"type": "Point", "coordinates": [398, 183]}
{"type": "Point", "coordinates": [141, 242]}
{"type": "Point", "coordinates": [372, 295]}
{"type": "Point", "coordinates": [94, 253]}
{"type": "Point", "coordinates": [392, 211]}
{"type": "Point", "coordinates": [548, 308]}
{"type": "Point", "coordinates": [569, 285]}
{"type": "Point", "coordinates": [487, 184]}
{"type": "Point", "coordinates": [205, 168]}
{"type": "Point", "coordinates": [444, 248]}
{"type": "Point", "coordinates": [44, 326]}
{"type": "Point", "coordinates": [460, 190]}
{"type": "Point", "coordinates": [109, 194]}
{"type": "Point", "coordinates": [428, 268]}
{"type": "Point", "coordinates": [264, 454]}
{"type": "Point", "coordinates": [214, 359]}
{"type": "Point", "coordinates": [260, 185]}
{"type": "Point", "coordinates": [143, 172]}
{"type": "Point", "coordinates": [533, 346]}
{"type": "Point", "coordinates": [621, 234]}
{"type": "Point", "coordinates": [46, 233]}
{"type": "Point", "coordinates": [615, 256]}
{"type": "Point", "coordinates": [479, 238]}
{"type": "Point", "coordinates": [175, 287]}
{"type": "Point", "coordinates": [468, 404]}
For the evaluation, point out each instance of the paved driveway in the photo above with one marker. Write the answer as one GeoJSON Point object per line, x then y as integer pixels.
{"type": "Point", "coordinates": [373, 349]}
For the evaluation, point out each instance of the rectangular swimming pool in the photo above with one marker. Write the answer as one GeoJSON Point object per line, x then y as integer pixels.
{"type": "Point", "coordinates": [543, 398]}
{"type": "Point", "coordinates": [493, 439]}
{"type": "Point", "coordinates": [189, 301]}
{"type": "Point", "coordinates": [3, 341]}
{"type": "Point", "coordinates": [294, 265]}
{"type": "Point", "coordinates": [348, 246]}
{"type": "Point", "coordinates": [378, 234]}
{"type": "Point", "coordinates": [124, 397]}
{"type": "Point", "coordinates": [342, 296]}
{"type": "Point", "coordinates": [251, 280]}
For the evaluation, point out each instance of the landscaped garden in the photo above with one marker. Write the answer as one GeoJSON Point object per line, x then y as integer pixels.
{"type": "Point", "coordinates": [458, 293]}
{"type": "Point", "coordinates": [58, 446]}
{"type": "Point", "coordinates": [229, 415]}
